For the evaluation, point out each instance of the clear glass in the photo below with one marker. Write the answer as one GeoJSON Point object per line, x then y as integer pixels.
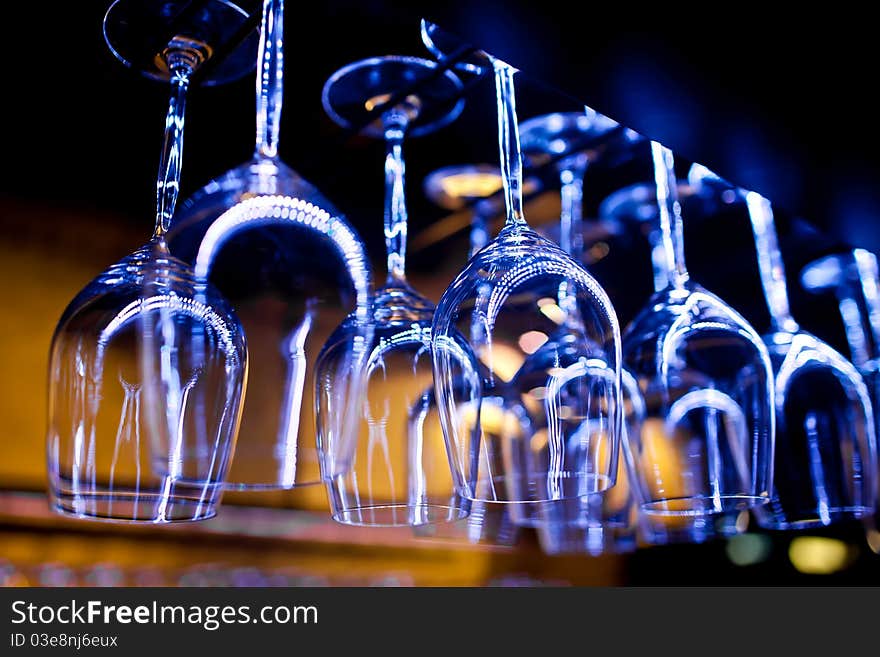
{"type": "Point", "coordinates": [602, 522]}
{"type": "Point", "coordinates": [398, 473]}
{"type": "Point", "coordinates": [824, 418]}
{"type": "Point", "coordinates": [502, 418]}
{"type": "Point", "coordinates": [854, 277]}
{"type": "Point", "coordinates": [147, 370]}
{"type": "Point", "coordinates": [635, 208]}
{"type": "Point", "coordinates": [510, 298]}
{"type": "Point", "coordinates": [705, 445]}
{"type": "Point", "coordinates": [294, 269]}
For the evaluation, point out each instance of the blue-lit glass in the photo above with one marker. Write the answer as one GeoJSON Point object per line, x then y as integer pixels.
{"type": "Point", "coordinates": [502, 418]}
{"type": "Point", "coordinates": [294, 269]}
{"type": "Point", "coordinates": [705, 445]}
{"type": "Point", "coordinates": [603, 522]}
{"type": "Point", "coordinates": [854, 277]}
{"type": "Point", "coordinates": [510, 298]}
{"type": "Point", "coordinates": [397, 472]}
{"type": "Point", "coordinates": [635, 208]}
{"type": "Point", "coordinates": [147, 367]}
{"type": "Point", "coordinates": [825, 461]}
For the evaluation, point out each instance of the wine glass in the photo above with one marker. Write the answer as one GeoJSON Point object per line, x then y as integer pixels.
{"type": "Point", "coordinates": [854, 277]}
{"type": "Point", "coordinates": [826, 452]}
{"type": "Point", "coordinates": [148, 363]}
{"type": "Point", "coordinates": [398, 473]}
{"type": "Point", "coordinates": [503, 417]}
{"type": "Point", "coordinates": [542, 138]}
{"type": "Point", "coordinates": [706, 444]}
{"type": "Point", "coordinates": [504, 305]}
{"type": "Point", "coordinates": [605, 521]}
{"type": "Point", "coordinates": [635, 208]}
{"type": "Point", "coordinates": [293, 267]}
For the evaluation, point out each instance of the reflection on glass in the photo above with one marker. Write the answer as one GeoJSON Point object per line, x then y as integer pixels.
{"type": "Point", "coordinates": [294, 268]}
{"type": "Point", "coordinates": [604, 522]}
{"type": "Point", "coordinates": [398, 472]}
{"type": "Point", "coordinates": [513, 295]}
{"type": "Point", "coordinates": [148, 363]}
{"type": "Point", "coordinates": [635, 207]}
{"type": "Point", "coordinates": [825, 437]}
{"type": "Point", "coordinates": [854, 277]}
{"type": "Point", "coordinates": [706, 444]}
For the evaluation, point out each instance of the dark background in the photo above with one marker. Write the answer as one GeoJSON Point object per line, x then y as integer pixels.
{"type": "Point", "coordinates": [781, 109]}
{"type": "Point", "coordinates": [778, 103]}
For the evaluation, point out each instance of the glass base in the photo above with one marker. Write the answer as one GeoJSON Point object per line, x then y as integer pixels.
{"type": "Point", "coordinates": [669, 530]}
{"type": "Point", "coordinates": [135, 507]}
{"type": "Point", "coordinates": [503, 489]}
{"type": "Point", "coordinates": [399, 515]}
{"type": "Point", "coordinates": [832, 516]}
{"type": "Point", "coordinates": [702, 505]}
{"type": "Point", "coordinates": [137, 31]}
{"type": "Point", "coordinates": [244, 486]}
{"type": "Point", "coordinates": [351, 90]}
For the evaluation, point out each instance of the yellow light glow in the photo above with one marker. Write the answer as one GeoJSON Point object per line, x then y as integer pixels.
{"type": "Point", "coordinates": [617, 497]}
{"type": "Point", "coordinates": [531, 341]}
{"type": "Point", "coordinates": [661, 465]}
{"type": "Point", "coordinates": [375, 101]}
{"type": "Point", "coordinates": [565, 413]}
{"type": "Point", "coordinates": [539, 393]}
{"type": "Point", "coordinates": [475, 184]}
{"type": "Point", "coordinates": [661, 460]}
{"type": "Point", "coordinates": [551, 310]}
{"type": "Point", "coordinates": [539, 440]}
{"type": "Point", "coordinates": [494, 419]}
{"type": "Point", "coordinates": [503, 360]}
{"type": "Point", "coordinates": [817, 555]}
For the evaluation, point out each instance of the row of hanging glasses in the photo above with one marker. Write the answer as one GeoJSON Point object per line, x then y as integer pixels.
{"type": "Point", "coordinates": [516, 402]}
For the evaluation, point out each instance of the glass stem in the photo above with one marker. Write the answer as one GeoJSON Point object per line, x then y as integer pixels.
{"type": "Point", "coordinates": [571, 217]}
{"type": "Point", "coordinates": [395, 123]}
{"type": "Point", "coordinates": [671, 223]}
{"type": "Point", "coordinates": [770, 263]}
{"type": "Point", "coordinates": [508, 143]}
{"type": "Point", "coordinates": [171, 159]}
{"type": "Point", "coordinates": [270, 88]}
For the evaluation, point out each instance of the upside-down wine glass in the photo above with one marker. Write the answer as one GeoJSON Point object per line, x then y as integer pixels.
{"type": "Point", "coordinates": [854, 278]}
{"type": "Point", "coordinates": [635, 208]}
{"type": "Point", "coordinates": [602, 522]}
{"type": "Point", "coordinates": [148, 363]}
{"type": "Point", "coordinates": [706, 379]}
{"type": "Point", "coordinates": [399, 473]}
{"type": "Point", "coordinates": [516, 291]}
{"type": "Point", "coordinates": [825, 461]}
{"type": "Point", "coordinates": [503, 417]}
{"type": "Point", "coordinates": [293, 267]}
